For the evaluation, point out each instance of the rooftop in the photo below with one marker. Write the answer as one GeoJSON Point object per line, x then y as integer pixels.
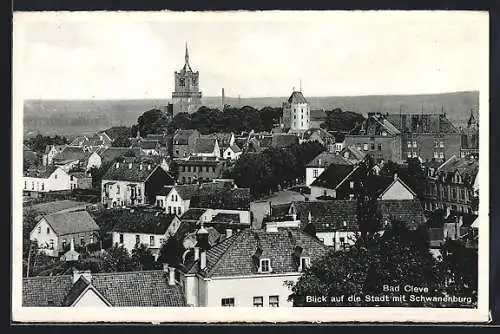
{"type": "Point", "coordinates": [71, 222]}
{"type": "Point", "coordinates": [325, 159]}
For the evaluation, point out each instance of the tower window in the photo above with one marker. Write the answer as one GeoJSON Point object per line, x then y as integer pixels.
{"type": "Point", "coordinates": [182, 82]}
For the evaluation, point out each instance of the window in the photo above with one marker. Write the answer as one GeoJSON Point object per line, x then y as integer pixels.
{"type": "Point", "coordinates": [441, 155]}
{"type": "Point", "coordinates": [453, 193]}
{"type": "Point", "coordinates": [137, 239]}
{"type": "Point", "coordinates": [91, 239]}
{"type": "Point", "coordinates": [365, 146]}
{"type": "Point", "coordinates": [151, 241]}
{"type": "Point", "coordinates": [51, 243]}
{"type": "Point", "coordinates": [409, 154]}
{"type": "Point", "coordinates": [182, 82]}
{"type": "Point", "coordinates": [121, 238]}
{"type": "Point", "coordinates": [55, 176]}
{"type": "Point", "coordinates": [139, 192]}
{"type": "Point", "coordinates": [441, 144]}
{"type": "Point", "coordinates": [274, 301]}
{"type": "Point", "coordinates": [169, 210]}
{"type": "Point", "coordinates": [265, 266]}
{"type": "Point", "coordinates": [415, 144]}
{"type": "Point", "coordinates": [373, 147]}
{"type": "Point", "coordinates": [436, 155]}
{"type": "Point", "coordinates": [64, 243]}
{"type": "Point", "coordinates": [324, 192]}
{"type": "Point", "coordinates": [25, 185]}
{"type": "Point", "coordinates": [305, 262]}
{"type": "Point", "coordinates": [380, 147]}
{"type": "Point", "coordinates": [213, 169]}
{"type": "Point", "coordinates": [414, 154]}
{"type": "Point", "coordinates": [294, 117]}
{"type": "Point", "coordinates": [48, 230]}
{"type": "Point", "coordinates": [118, 189]}
{"type": "Point", "coordinates": [32, 185]}
{"type": "Point", "coordinates": [206, 169]}
{"type": "Point", "coordinates": [409, 144]}
{"type": "Point", "coordinates": [384, 133]}
{"type": "Point", "coordinates": [301, 123]}
{"type": "Point", "coordinates": [342, 242]}
{"type": "Point", "coordinates": [258, 301]}
{"type": "Point", "coordinates": [39, 229]}
{"type": "Point", "coordinates": [351, 184]}
{"type": "Point", "coordinates": [228, 302]}
{"type": "Point", "coordinates": [358, 146]}
{"type": "Point", "coordinates": [176, 152]}
{"type": "Point", "coordinates": [315, 173]}
{"type": "Point", "coordinates": [82, 241]}
{"type": "Point", "coordinates": [179, 211]}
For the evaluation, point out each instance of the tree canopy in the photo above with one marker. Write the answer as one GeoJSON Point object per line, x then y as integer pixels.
{"type": "Point", "coordinates": [39, 143]}
{"type": "Point", "coordinates": [343, 121]}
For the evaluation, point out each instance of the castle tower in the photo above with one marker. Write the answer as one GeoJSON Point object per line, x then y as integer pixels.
{"type": "Point", "coordinates": [296, 112]}
{"type": "Point", "coordinates": [187, 95]}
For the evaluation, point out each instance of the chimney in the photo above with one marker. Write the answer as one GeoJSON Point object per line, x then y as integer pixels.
{"type": "Point", "coordinates": [395, 176]}
{"type": "Point", "coordinates": [72, 244]}
{"type": "Point", "coordinates": [130, 165]}
{"type": "Point", "coordinates": [229, 232]}
{"type": "Point", "coordinates": [87, 274]}
{"type": "Point", "coordinates": [196, 253]}
{"type": "Point", "coordinates": [171, 276]}
{"type": "Point", "coordinates": [309, 217]}
{"type": "Point", "coordinates": [140, 166]}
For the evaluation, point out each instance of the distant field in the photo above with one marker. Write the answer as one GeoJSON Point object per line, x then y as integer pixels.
{"type": "Point", "coordinates": [87, 116]}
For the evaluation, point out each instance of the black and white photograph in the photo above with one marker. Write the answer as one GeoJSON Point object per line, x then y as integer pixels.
{"type": "Point", "coordinates": [332, 166]}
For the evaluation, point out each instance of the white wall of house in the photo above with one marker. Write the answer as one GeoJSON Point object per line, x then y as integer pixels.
{"type": "Point", "coordinates": [173, 203]}
{"type": "Point", "coordinates": [58, 180]}
{"type": "Point", "coordinates": [45, 237]}
{"type": "Point", "coordinates": [119, 193]}
{"type": "Point", "coordinates": [94, 160]}
{"type": "Point", "coordinates": [244, 288]}
{"type": "Point", "coordinates": [130, 239]}
{"type": "Point", "coordinates": [334, 238]}
{"type": "Point", "coordinates": [312, 174]}
{"type": "Point", "coordinates": [397, 192]}
{"type": "Point", "coordinates": [90, 299]}
{"type": "Point", "coordinates": [230, 154]}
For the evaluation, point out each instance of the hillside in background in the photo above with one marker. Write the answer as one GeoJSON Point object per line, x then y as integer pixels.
{"type": "Point", "coordinates": [72, 117]}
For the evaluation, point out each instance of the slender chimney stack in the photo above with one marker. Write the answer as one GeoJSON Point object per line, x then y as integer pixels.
{"type": "Point", "coordinates": [223, 99]}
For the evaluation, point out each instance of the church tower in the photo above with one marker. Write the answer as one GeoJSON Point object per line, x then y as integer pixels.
{"type": "Point", "coordinates": [187, 95]}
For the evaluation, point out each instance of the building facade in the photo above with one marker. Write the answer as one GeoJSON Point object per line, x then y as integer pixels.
{"type": "Point", "coordinates": [187, 96]}
{"type": "Point", "coordinates": [199, 169]}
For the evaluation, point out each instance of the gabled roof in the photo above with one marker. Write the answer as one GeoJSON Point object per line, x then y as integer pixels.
{"type": "Point", "coordinates": [71, 222]}
{"type": "Point", "coordinates": [235, 148]}
{"type": "Point", "coordinates": [357, 154]}
{"type": "Point", "coordinates": [72, 153]}
{"type": "Point", "coordinates": [135, 222]}
{"type": "Point", "coordinates": [234, 256]}
{"type": "Point", "coordinates": [112, 153]}
{"type": "Point", "coordinates": [149, 144]}
{"type": "Point", "coordinates": [297, 97]}
{"type": "Point", "coordinates": [333, 176]}
{"type": "Point", "coordinates": [408, 211]}
{"type": "Point", "coordinates": [193, 214]}
{"type": "Point", "coordinates": [224, 138]}
{"type": "Point", "coordinates": [283, 140]}
{"type": "Point", "coordinates": [42, 173]}
{"type": "Point", "coordinates": [181, 136]}
{"type": "Point", "coordinates": [462, 165]}
{"type": "Point", "coordinates": [119, 289]}
{"type": "Point", "coordinates": [386, 184]}
{"type": "Point", "coordinates": [228, 218]}
{"type": "Point", "coordinates": [134, 172]}
{"type": "Point", "coordinates": [205, 145]}
{"type": "Point", "coordinates": [56, 206]}
{"type": "Point", "coordinates": [324, 159]}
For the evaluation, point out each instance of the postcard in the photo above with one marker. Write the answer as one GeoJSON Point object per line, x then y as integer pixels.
{"type": "Point", "coordinates": [330, 165]}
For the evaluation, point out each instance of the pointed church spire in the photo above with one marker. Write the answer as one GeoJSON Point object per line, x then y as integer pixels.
{"type": "Point", "coordinates": [187, 54]}
{"type": "Point", "coordinates": [72, 245]}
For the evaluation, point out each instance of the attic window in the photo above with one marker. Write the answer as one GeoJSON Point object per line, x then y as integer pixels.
{"type": "Point", "coordinates": [305, 262]}
{"type": "Point", "coordinates": [265, 266]}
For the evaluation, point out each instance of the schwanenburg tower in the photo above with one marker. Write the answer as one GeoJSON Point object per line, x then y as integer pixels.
{"type": "Point", "coordinates": [187, 95]}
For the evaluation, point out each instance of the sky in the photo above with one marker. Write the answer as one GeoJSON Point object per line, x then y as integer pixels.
{"type": "Point", "coordinates": [252, 54]}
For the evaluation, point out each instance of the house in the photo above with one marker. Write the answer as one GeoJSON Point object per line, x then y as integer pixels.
{"type": "Point", "coordinates": [129, 183]}
{"type": "Point", "coordinates": [148, 147]}
{"type": "Point", "coordinates": [53, 232]}
{"type": "Point", "coordinates": [426, 136]}
{"type": "Point", "coordinates": [112, 153]}
{"type": "Point", "coordinates": [190, 240]}
{"type": "Point", "coordinates": [336, 223]}
{"type": "Point", "coordinates": [334, 182]}
{"type": "Point", "coordinates": [318, 135]}
{"type": "Point", "coordinates": [378, 137]}
{"type": "Point", "coordinates": [151, 232]}
{"type": "Point", "coordinates": [316, 166]}
{"type": "Point", "coordinates": [97, 141]}
{"type": "Point", "coordinates": [207, 147]}
{"type": "Point", "coordinates": [72, 157]}
{"type": "Point", "coordinates": [176, 199]}
{"type": "Point", "coordinates": [50, 152]}
{"type": "Point", "coordinates": [224, 139]}
{"type": "Point", "coordinates": [80, 180]}
{"type": "Point", "coordinates": [45, 179]}
{"type": "Point", "coordinates": [152, 288]}
{"type": "Point", "coordinates": [248, 269]}
{"type": "Point", "coordinates": [452, 184]}
{"type": "Point", "coordinates": [183, 142]}
{"type": "Point", "coordinates": [199, 169]}
{"type": "Point", "coordinates": [232, 152]}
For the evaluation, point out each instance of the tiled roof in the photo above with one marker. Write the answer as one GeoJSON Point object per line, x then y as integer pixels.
{"type": "Point", "coordinates": [222, 137]}
{"type": "Point", "coordinates": [297, 97]}
{"type": "Point", "coordinates": [284, 140]}
{"type": "Point", "coordinates": [42, 173]}
{"type": "Point", "coordinates": [149, 144]}
{"type": "Point", "coordinates": [193, 214]}
{"type": "Point", "coordinates": [71, 222]}
{"type": "Point", "coordinates": [112, 153]}
{"type": "Point", "coordinates": [56, 206]}
{"type": "Point", "coordinates": [328, 216]}
{"type": "Point", "coordinates": [325, 159]}
{"type": "Point", "coordinates": [214, 237]}
{"type": "Point", "coordinates": [462, 165]}
{"type": "Point", "coordinates": [234, 256]}
{"type": "Point", "coordinates": [217, 195]}
{"type": "Point", "coordinates": [333, 175]}
{"type": "Point", "coordinates": [181, 137]}
{"type": "Point", "coordinates": [232, 218]}
{"type": "Point", "coordinates": [410, 212]}
{"type": "Point", "coordinates": [205, 145]}
{"type": "Point", "coordinates": [76, 290]}
{"type": "Point", "coordinates": [123, 172]}
{"type": "Point", "coordinates": [154, 224]}
{"type": "Point", "coordinates": [186, 191]}
{"type": "Point", "coordinates": [357, 154]}
{"type": "Point", "coordinates": [235, 148]}
{"type": "Point", "coordinates": [120, 289]}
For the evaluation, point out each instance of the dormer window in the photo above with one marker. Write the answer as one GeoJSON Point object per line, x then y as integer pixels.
{"type": "Point", "coordinates": [265, 266]}
{"type": "Point", "coordinates": [305, 262]}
